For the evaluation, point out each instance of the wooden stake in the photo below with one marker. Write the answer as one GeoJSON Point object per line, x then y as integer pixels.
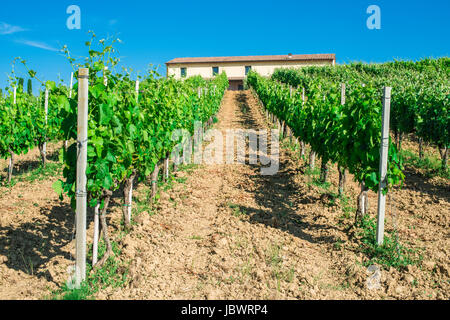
{"type": "Point", "coordinates": [130, 201]}
{"type": "Point", "coordinates": [105, 78]}
{"type": "Point", "coordinates": [11, 159]}
{"type": "Point", "coordinates": [96, 235]}
{"type": "Point", "coordinates": [341, 170]}
{"type": "Point", "coordinates": [11, 166]}
{"type": "Point", "coordinates": [155, 181]}
{"type": "Point", "coordinates": [166, 168]}
{"type": "Point", "coordinates": [312, 160]}
{"type": "Point", "coordinates": [342, 93]}
{"type": "Point", "coordinates": [71, 85]}
{"type": "Point", "coordinates": [44, 148]}
{"type": "Point", "coordinates": [81, 194]}
{"type": "Point", "coordinates": [137, 90]}
{"type": "Point", "coordinates": [70, 96]}
{"type": "Point", "coordinates": [342, 179]}
{"type": "Point", "coordinates": [384, 149]}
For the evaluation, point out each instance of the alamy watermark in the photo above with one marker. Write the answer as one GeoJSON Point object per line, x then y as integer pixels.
{"type": "Point", "coordinates": [229, 147]}
{"type": "Point", "coordinates": [374, 20]}
{"type": "Point", "coordinates": [74, 20]}
{"type": "Point", "coordinates": [373, 282]}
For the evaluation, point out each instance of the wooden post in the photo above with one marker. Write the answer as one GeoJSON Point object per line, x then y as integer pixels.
{"type": "Point", "coordinates": [11, 159]}
{"type": "Point", "coordinates": [341, 170]}
{"type": "Point", "coordinates": [166, 168]}
{"type": "Point", "coordinates": [155, 181]}
{"type": "Point", "coordinates": [130, 201]}
{"type": "Point", "coordinates": [96, 234]}
{"type": "Point", "coordinates": [384, 149]}
{"type": "Point", "coordinates": [342, 93]}
{"type": "Point", "coordinates": [71, 85]}
{"type": "Point", "coordinates": [137, 90]}
{"type": "Point", "coordinates": [44, 148]}
{"type": "Point", "coordinates": [70, 97]}
{"type": "Point", "coordinates": [105, 78]}
{"type": "Point", "coordinates": [81, 194]}
{"type": "Point", "coordinates": [312, 160]}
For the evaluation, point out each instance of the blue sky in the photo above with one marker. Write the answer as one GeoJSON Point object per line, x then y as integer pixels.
{"type": "Point", "coordinates": [155, 32]}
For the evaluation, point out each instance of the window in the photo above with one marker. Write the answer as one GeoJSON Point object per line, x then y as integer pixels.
{"type": "Point", "coordinates": [215, 71]}
{"type": "Point", "coordinates": [247, 69]}
{"type": "Point", "coordinates": [183, 72]}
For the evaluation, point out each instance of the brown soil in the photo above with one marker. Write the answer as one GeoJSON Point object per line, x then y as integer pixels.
{"type": "Point", "coordinates": [35, 232]}
{"type": "Point", "coordinates": [227, 232]}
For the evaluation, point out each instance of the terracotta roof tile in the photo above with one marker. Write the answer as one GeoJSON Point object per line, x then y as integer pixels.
{"type": "Point", "coordinates": [294, 57]}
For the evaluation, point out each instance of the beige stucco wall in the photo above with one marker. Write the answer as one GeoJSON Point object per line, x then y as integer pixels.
{"type": "Point", "coordinates": [237, 70]}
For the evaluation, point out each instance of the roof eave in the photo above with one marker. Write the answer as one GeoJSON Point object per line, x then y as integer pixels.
{"type": "Point", "coordinates": [250, 61]}
{"type": "Point", "coordinates": [320, 57]}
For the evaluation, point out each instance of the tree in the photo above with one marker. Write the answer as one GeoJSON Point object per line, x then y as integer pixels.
{"type": "Point", "coordinates": [21, 81]}
{"type": "Point", "coordinates": [30, 87]}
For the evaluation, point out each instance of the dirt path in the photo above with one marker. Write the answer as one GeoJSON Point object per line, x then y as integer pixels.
{"type": "Point", "coordinates": [230, 233]}
{"type": "Point", "coordinates": [227, 232]}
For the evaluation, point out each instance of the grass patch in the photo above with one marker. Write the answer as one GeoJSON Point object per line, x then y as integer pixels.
{"type": "Point", "coordinates": [181, 180]}
{"type": "Point", "coordinates": [347, 208]}
{"type": "Point", "coordinates": [237, 210]}
{"type": "Point", "coordinates": [67, 293]}
{"type": "Point", "coordinates": [169, 184]}
{"type": "Point", "coordinates": [114, 273]}
{"type": "Point", "coordinates": [312, 172]}
{"type": "Point", "coordinates": [338, 244]}
{"type": "Point", "coordinates": [244, 108]}
{"type": "Point", "coordinates": [431, 165]}
{"type": "Point", "coordinates": [390, 254]}
{"type": "Point", "coordinates": [188, 168]}
{"type": "Point", "coordinates": [143, 203]}
{"type": "Point", "coordinates": [4, 182]}
{"type": "Point", "coordinates": [275, 261]}
{"type": "Point", "coordinates": [291, 145]}
{"type": "Point", "coordinates": [52, 169]}
{"type": "Point", "coordinates": [322, 185]}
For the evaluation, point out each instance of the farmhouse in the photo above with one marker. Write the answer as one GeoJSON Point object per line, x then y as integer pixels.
{"type": "Point", "coordinates": [237, 68]}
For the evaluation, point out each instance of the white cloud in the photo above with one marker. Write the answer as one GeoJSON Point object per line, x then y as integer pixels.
{"type": "Point", "coordinates": [9, 29]}
{"type": "Point", "coordinates": [37, 44]}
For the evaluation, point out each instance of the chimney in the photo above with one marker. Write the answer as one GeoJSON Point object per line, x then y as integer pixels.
{"type": "Point", "coordinates": [290, 55]}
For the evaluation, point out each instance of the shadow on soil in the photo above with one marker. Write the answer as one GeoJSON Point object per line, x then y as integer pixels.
{"type": "Point", "coordinates": [277, 193]}
{"type": "Point", "coordinates": [279, 198]}
{"type": "Point", "coordinates": [29, 246]}
{"type": "Point", "coordinates": [416, 181]}
{"type": "Point", "coordinates": [24, 166]}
